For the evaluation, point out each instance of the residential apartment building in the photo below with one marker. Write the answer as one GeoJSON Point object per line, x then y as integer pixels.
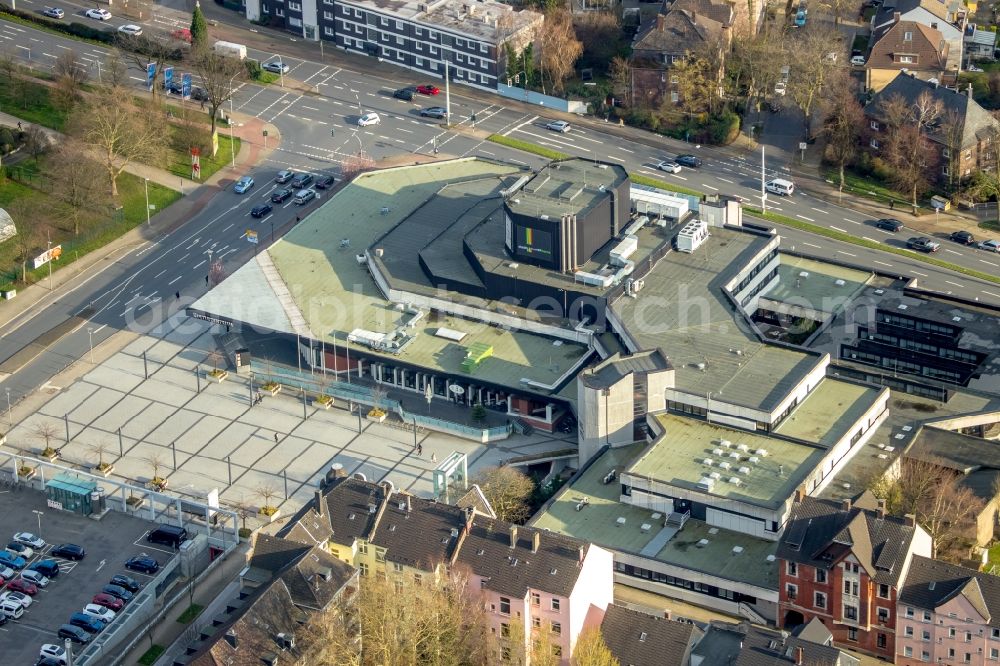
{"type": "Point", "coordinates": [547, 582]}
{"type": "Point", "coordinates": [844, 563]}
{"type": "Point", "coordinates": [948, 614]}
{"type": "Point", "coordinates": [466, 37]}
{"type": "Point", "coordinates": [905, 46]}
{"type": "Point", "coordinates": [945, 16]}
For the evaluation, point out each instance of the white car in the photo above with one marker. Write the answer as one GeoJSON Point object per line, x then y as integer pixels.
{"type": "Point", "coordinates": [54, 652]}
{"type": "Point", "coordinates": [29, 539]}
{"type": "Point", "coordinates": [857, 60]}
{"type": "Point", "coordinates": [779, 88]}
{"type": "Point", "coordinates": [558, 126]}
{"type": "Point", "coordinates": [130, 29]}
{"type": "Point", "coordinates": [7, 573]}
{"type": "Point", "coordinates": [33, 576]}
{"type": "Point", "coordinates": [99, 612]}
{"type": "Point", "coordinates": [11, 609]}
{"type": "Point", "coordinates": [669, 166]}
{"type": "Point", "coordinates": [973, 68]}
{"type": "Point", "coordinates": [370, 118]}
{"type": "Point", "coordinates": [99, 14]}
{"type": "Point", "coordinates": [18, 548]}
{"type": "Point", "coordinates": [19, 597]}
{"type": "Point", "coordinates": [990, 245]}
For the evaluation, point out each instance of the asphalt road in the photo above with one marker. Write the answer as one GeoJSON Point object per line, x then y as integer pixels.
{"type": "Point", "coordinates": [319, 130]}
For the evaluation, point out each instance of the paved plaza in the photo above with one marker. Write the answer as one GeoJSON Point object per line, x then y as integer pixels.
{"type": "Point", "coordinates": [217, 439]}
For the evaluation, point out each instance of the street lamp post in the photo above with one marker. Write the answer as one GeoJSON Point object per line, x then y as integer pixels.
{"type": "Point", "coordinates": [39, 514]}
{"type": "Point", "coordinates": [90, 332]}
{"type": "Point", "coordinates": [10, 421]}
{"type": "Point", "coordinates": [232, 142]}
{"type": "Point", "coordinates": [146, 185]}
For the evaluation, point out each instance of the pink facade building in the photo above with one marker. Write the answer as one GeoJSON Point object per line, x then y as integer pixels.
{"type": "Point", "coordinates": [948, 614]}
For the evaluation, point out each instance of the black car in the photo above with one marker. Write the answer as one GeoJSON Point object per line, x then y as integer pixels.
{"type": "Point", "coordinates": [49, 661]}
{"type": "Point", "coordinates": [434, 112]}
{"type": "Point", "coordinates": [197, 94]}
{"type": "Point", "coordinates": [689, 161]}
{"type": "Point", "coordinates": [146, 565]}
{"type": "Point", "coordinates": [129, 583]}
{"type": "Point", "coordinates": [261, 210]}
{"type": "Point", "coordinates": [405, 94]}
{"type": "Point", "coordinates": [118, 592]}
{"type": "Point", "coordinates": [281, 195]}
{"type": "Point", "coordinates": [324, 182]}
{"type": "Point", "coordinates": [889, 224]}
{"type": "Point", "coordinates": [301, 181]}
{"type": "Point", "coordinates": [963, 237]}
{"type": "Point", "coordinates": [69, 551]}
{"type": "Point", "coordinates": [75, 634]}
{"type": "Point", "coordinates": [48, 568]}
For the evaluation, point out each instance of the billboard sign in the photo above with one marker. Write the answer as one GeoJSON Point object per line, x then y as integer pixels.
{"type": "Point", "coordinates": [186, 86]}
{"type": "Point", "coordinates": [252, 236]}
{"type": "Point", "coordinates": [51, 254]}
{"type": "Point", "coordinates": [150, 75]}
{"type": "Point", "coordinates": [168, 77]}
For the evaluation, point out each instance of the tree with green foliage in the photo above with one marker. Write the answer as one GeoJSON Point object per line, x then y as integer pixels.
{"type": "Point", "coordinates": [199, 28]}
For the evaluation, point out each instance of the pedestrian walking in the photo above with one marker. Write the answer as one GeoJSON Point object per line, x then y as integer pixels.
{"type": "Point", "coordinates": [434, 457]}
{"type": "Point", "coordinates": [19, 125]}
{"type": "Point", "coordinates": [275, 438]}
{"type": "Point", "coordinates": [420, 450]}
{"type": "Point", "coordinates": [177, 294]}
{"type": "Point", "coordinates": [206, 279]}
{"type": "Point", "coordinates": [202, 104]}
{"type": "Point", "coordinates": [892, 204]}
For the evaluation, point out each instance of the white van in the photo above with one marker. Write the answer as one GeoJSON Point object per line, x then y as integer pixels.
{"type": "Point", "coordinates": [230, 49]}
{"type": "Point", "coordinates": [780, 186]}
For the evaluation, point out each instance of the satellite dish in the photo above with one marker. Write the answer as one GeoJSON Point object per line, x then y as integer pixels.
{"type": "Point", "coordinates": [456, 389]}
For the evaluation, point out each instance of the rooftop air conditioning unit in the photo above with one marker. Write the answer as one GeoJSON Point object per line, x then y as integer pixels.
{"type": "Point", "coordinates": [702, 543]}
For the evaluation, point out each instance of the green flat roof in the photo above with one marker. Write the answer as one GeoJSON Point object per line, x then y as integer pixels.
{"type": "Point", "coordinates": [597, 522]}
{"type": "Point", "coordinates": [678, 458]}
{"type": "Point", "coordinates": [828, 412]}
{"type": "Point", "coordinates": [682, 310]}
{"type": "Point", "coordinates": [825, 287]}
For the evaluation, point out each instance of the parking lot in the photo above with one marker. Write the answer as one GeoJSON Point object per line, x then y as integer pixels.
{"type": "Point", "coordinates": [108, 543]}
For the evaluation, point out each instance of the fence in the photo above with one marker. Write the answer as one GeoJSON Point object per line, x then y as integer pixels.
{"type": "Point", "coordinates": [364, 395]}
{"type": "Point", "coordinates": [532, 97]}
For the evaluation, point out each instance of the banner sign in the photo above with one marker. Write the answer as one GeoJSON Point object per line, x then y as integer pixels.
{"type": "Point", "coordinates": [186, 86]}
{"type": "Point", "coordinates": [195, 164]}
{"type": "Point", "coordinates": [252, 236]}
{"type": "Point", "coordinates": [150, 75]}
{"type": "Point", "coordinates": [49, 255]}
{"type": "Point", "coordinates": [168, 77]}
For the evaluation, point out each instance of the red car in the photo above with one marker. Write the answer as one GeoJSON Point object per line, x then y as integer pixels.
{"type": "Point", "coordinates": [22, 585]}
{"type": "Point", "coordinates": [428, 90]}
{"type": "Point", "coordinates": [183, 34]}
{"type": "Point", "coordinates": [108, 601]}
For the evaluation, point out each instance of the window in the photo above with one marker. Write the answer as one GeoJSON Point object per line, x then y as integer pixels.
{"type": "Point", "coordinates": [874, 143]}
{"type": "Point", "coordinates": [536, 599]}
{"type": "Point", "coordinates": [850, 613]}
{"type": "Point", "coordinates": [907, 36]}
{"type": "Point", "coordinates": [909, 611]}
{"type": "Point", "coordinates": [791, 591]}
{"type": "Point", "coordinates": [927, 616]}
{"type": "Point", "coordinates": [557, 651]}
{"type": "Point", "coordinates": [883, 614]}
{"type": "Point", "coordinates": [379, 555]}
{"type": "Point", "coordinates": [925, 655]}
{"type": "Point", "coordinates": [852, 634]}
{"type": "Point", "coordinates": [504, 606]}
{"type": "Point", "coordinates": [400, 41]}
{"type": "Point", "coordinates": [906, 59]}
{"type": "Point", "coordinates": [419, 32]}
{"type": "Point", "coordinates": [820, 575]}
{"type": "Point", "coordinates": [820, 600]}
{"type": "Point", "coordinates": [968, 637]}
{"type": "Point", "coordinates": [968, 657]}
{"type": "Point", "coordinates": [792, 569]}
{"type": "Point", "coordinates": [397, 567]}
{"type": "Point", "coordinates": [995, 633]}
{"type": "Point", "coordinates": [364, 569]}
{"type": "Point", "coordinates": [556, 628]}
{"type": "Point", "coordinates": [674, 80]}
{"type": "Point", "coordinates": [295, 7]}
{"type": "Point", "coordinates": [907, 651]}
{"type": "Point", "coordinates": [363, 548]}
{"type": "Point", "coordinates": [883, 591]}
{"type": "Point", "coordinates": [851, 587]}
{"type": "Point", "coordinates": [880, 640]}
{"type": "Point", "coordinates": [483, 48]}
{"type": "Point", "coordinates": [994, 653]}
{"type": "Point", "coordinates": [925, 635]}
{"type": "Point", "coordinates": [908, 631]}
{"type": "Point", "coordinates": [874, 124]}
{"type": "Point", "coordinates": [555, 604]}
{"type": "Point", "coordinates": [951, 632]}
{"type": "Point", "coordinates": [504, 630]}
{"type": "Point", "coordinates": [328, 16]}
{"type": "Point", "coordinates": [674, 97]}
{"type": "Point", "coordinates": [945, 152]}
{"type": "Point", "coordinates": [399, 25]}
{"type": "Point", "coordinates": [536, 622]}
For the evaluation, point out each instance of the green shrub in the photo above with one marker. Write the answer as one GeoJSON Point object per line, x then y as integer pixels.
{"type": "Point", "coordinates": [253, 69]}
{"type": "Point", "coordinates": [723, 128]}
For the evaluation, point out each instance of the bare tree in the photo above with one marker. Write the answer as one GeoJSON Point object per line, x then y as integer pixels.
{"type": "Point", "coordinates": [843, 127]}
{"type": "Point", "coordinates": [694, 82]}
{"type": "Point", "coordinates": [591, 650]}
{"type": "Point", "coordinates": [100, 449]}
{"type": "Point", "coordinates": [142, 52]}
{"type": "Point", "coordinates": [508, 490]}
{"type": "Point", "coordinates": [36, 141]}
{"type": "Point", "coordinates": [119, 131]}
{"type": "Point", "coordinates": [837, 8]}
{"type": "Point", "coordinates": [115, 71]}
{"type": "Point", "coordinates": [379, 394]}
{"type": "Point", "coordinates": [266, 493]}
{"type": "Point", "coordinates": [156, 462]}
{"type": "Point", "coordinates": [620, 73]}
{"type": "Point", "coordinates": [986, 182]}
{"type": "Point", "coordinates": [30, 231]}
{"type": "Point", "coordinates": [601, 31]}
{"type": "Point", "coordinates": [75, 183]}
{"type": "Point", "coordinates": [219, 74]}
{"type": "Point", "coordinates": [68, 65]}
{"type": "Point", "coordinates": [559, 48]}
{"type": "Point", "coordinates": [951, 129]}
{"type": "Point", "coordinates": [8, 65]}
{"type": "Point", "coordinates": [46, 431]}
{"type": "Point", "coordinates": [906, 147]}
{"type": "Point", "coordinates": [811, 68]}
{"type": "Point", "coordinates": [354, 165]}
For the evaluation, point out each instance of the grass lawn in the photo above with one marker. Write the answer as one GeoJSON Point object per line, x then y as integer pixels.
{"type": "Point", "coordinates": [267, 77]}
{"type": "Point", "coordinates": [180, 160]}
{"type": "Point", "coordinates": [190, 614]}
{"type": "Point", "coordinates": [855, 184]}
{"type": "Point", "coordinates": [151, 655]}
{"type": "Point", "coordinates": [30, 100]}
{"type": "Point", "coordinates": [528, 147]}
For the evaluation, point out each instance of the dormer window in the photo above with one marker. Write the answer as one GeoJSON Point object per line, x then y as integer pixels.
{"type": "Point", "coordinates": [907, 36]}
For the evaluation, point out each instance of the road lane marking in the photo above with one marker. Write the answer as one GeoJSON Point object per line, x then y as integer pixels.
{"type": "Point", "coordinates": [710, 187]}
{"type": "Point", "coordinates": [919, 273]}
{"type": "Point", "coordinates": [952, 251]}
{"type": "Point", "coordinates": [838, 229]}
{"type": "Point", "coordinates": [807, 219]}
{"type": "Point", "coordinates": [819, 211]}
{"type": "Point", "coordinates": [811, 245]}
{"type": "Point", "coordinates": [990, 293]}
{"type": "Point", "coordinates": [871, 239]}
{"type": "Point", "coordinates": [881, 262]}
{"type": "Point", "coordinates": [851, 221]}
{"type": "Point", "coordinates": [230, 227]}
{"type": "Point", "coordinates": [725, 180]}
{"type": "Point", "coordinates": [991, 263]}
{"type": "Point", "coordinates": [625, 150]}
{"type": "Point", "coordinates": [174, 280]}
{"type": "Point", "coordinates": [847, 253]}
{"type": "Point", "coordinates": [160, 273]}
{"type": "Point", "coordinates": [960, 286]}
{"type": "Point", "coordinates": [200, 263]}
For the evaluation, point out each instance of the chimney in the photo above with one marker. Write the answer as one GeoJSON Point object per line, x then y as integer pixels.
{"type": "Point", "coordinates": [798, 656]}
{"type": "Point", "coordinates": [536, 541]}
{"type": "Point", "coordinates": [694, 18]}
{"type": "Point", "coordinates": [799, 495]}
{"type": "Point", "coordinates": [513, 536]}
{"type": "Point", "coordinates": [896, 16]}
{"type": "Point", "coordinates": [881, 509]}
{"type": "Point", "coordinates": [580, 561]}
{"type": "Point", "coordinates": [371, 507]}
{"type": "Point", "coordinates": [667, 615]}
{"type": "Point", "coordinates": [911, 520]}
{"type": "Point", "coordinates": [408, 506]}
{"type": "Point", "coordinates": [660, 19]}
{"type": "Point", "coordinates": [845, 505]}
{"type": "Point", "coordinates": [231, 639]}
{"type": "Point", "coordinates": [319, 502]}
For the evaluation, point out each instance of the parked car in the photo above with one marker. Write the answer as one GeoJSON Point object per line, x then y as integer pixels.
{"type": "Point", "coordinates": [129, 583]}
{"type": "Point", "coordinates": [243, 185]}
{"type": "Point", "coordinates": [963, 237]}
{"type": "Point", "coordinates": [98, 14]}
{"type": "Point", "coordinates": [6, 573]}
{"type": "Point", "coordinates": [276, 66]}
{"type": "Point", "coordinates": [183, 34]}
{"type": "Point", "coordinates": [669, 166]}
{"type": "Point", "coordinates": [12, 561]}
{"type": "Point", "coordinates": [117, 591]}
{"type": "Point", "coordinates": [86, 622]}
{"type": "Point", "coordinates": [301, 181]}
{"type": "Point", "coordinates": [108, 601]}
{"type": "Point", "coordinates": [48, 568]}
{"type": "Point", "coordinates": [281, 195]}
{"type": "Point", "coordinates": [780, 88]}
{"type": "Point", "coordinates": [858, 61]}
{"type": "Point", "coordinates": [199, 94]}
{"type": "Point", "coordinates": [130, 29]}
{"type": "Point", "coordinates": [75, 634]}
{"type": "Point", "coordinates": [19, 597]}
{"type": "Point", "coordinates": [889, 224]}
{"type": "Point", "coordinates": [54, 12]}
{"type": "Point", "coordinates": [370, 118]}
{"type": "Point", "coordinates": [35, 577]}
{"type": "Point", "coordinates": [23, 585]}
{"type": "Point", "coordinates": [428, 89]}
{"type": "Point", "coordinates": [405, 94]}
{"type": "Point", "coordinates": [168, 535]}
{"type": "Point", "coordinates": [15, 548]}
{"type": "Point", "coordinates": [106, 615]}
{"type": "Point", "coordinates": [324, 182]}
{"type": "Point", "coordinates": [558, 126]}
{"type": "Point", "coordinates": [689, 161]}
{"type": "Point", "coordinates": [146, 565]}
{"type": "Point", "coordinates": [53, 651]}
{"type": "Point", "coordinates": [69, 551]}
{"type": "Point", "coordinates": [922, 243]}
{"type": "Point", "coordinates": [303, 197]}
{"type": "Point", "coordinates": [48, 661]}
{"type": "Point", "coordinates": [284, 176]}
{"type": "Point", "coordinates": [11, 609]}
{"type": "Point", "coordinates": [261, 210]}
{"type": "Point", "coordinates": [29, 539]}
{"type": "Point", "coordinates": [434, 112]}
{"type": "Point", "coordinates": [989, 245]}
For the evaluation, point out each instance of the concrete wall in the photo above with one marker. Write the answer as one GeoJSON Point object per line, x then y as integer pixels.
{"type": "Point", "coordinates": [605, 419]}
{"type": "Point", "coordinates": [532, 97]}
